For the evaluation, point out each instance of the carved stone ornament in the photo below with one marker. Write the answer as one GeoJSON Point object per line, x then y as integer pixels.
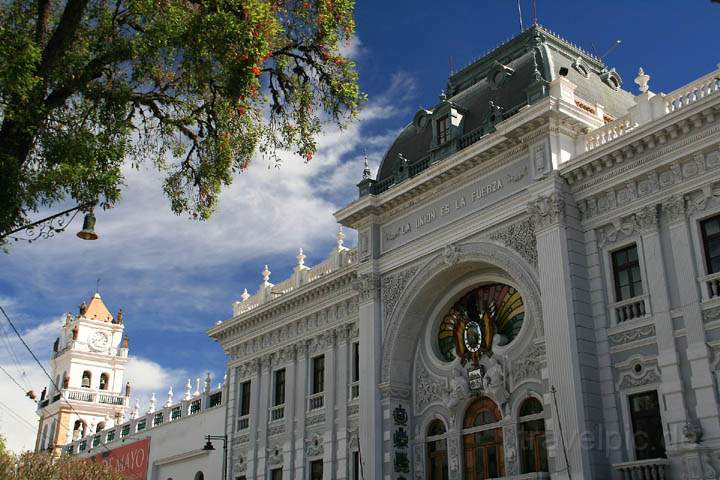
{"type": "Point", "coordinates": [530, 365]}
{"type": "Point", "coordinates": [276, 429]}
{"type": "Point", "coordinates": [314, 446]}
{"type": "Point", "coordinates": [366, 284]}
{"type": "Point", "coordinates": [547, 211]}
{"type": "Point", "coordinates": [451, 254]}
{"type": "Point", "coordinates": [511, 463]}
{"type": "Point", "coordinates": [275, 456]}
{"type": "Point", "coordinates": [521, 238]}
{"type": "Point", "coordinates": [419, 464]}
{"type": "Point", "coordinates": [646, 377]}
{"type": "Point", "coordinates": [393, 286]}
{"type": "Point", "coordinates": [429, 389]}
{"type": "Point", "coordinates": [674, 208]}
{"type": "Point", "coordinates": [315, 420]}
{"type": "Point", "coordinates": [647, 219]}
{"type": "Point", "coordinates": [643, 221]}
{"type": "Point", "coordinates": [711, 314]}
{"type": "Point", "coordinates": [241, 464]}
{"type": "Point", "coordinates": [353, 438]}
{"type": "Point", "coordinates": [639, 333]}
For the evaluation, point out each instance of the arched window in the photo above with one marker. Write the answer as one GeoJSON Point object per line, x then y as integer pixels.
{"type": "Point", "coordinates": [531, 435]}
{"type": "Point", "coordinates": [104, 380]}
{"type": "Point", "coordinates": [100, 427]}
{"type": "Point", "coordinates": [43, 438]}
{"type": "Point", "coordinates": [437, 460]}
{"type": "Point", "coordinates": [199, 476]}
{"type": "Point", "coordinates": [86, 379]}
{"type": "Point", "coordinates": [51, 435]}
{"type": "Point", "coordinates": [483, 441]}
{"type": "Point", "coordinates": [79, 429]}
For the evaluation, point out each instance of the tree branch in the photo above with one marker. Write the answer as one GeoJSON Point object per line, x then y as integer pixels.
{"type": "Point", "coordinates": [63, 36]}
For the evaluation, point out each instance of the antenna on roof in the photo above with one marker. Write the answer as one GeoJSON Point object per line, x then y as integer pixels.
{"type": "Point", "coordinates": [520, 15]}
{"type": "Point", "coordinates": [97, 285]}
{"type": "Point", "coordinates": [534, 5]}
{"type": "Point", "coordinates": [450, 65]}
{"type": "Point", "coordinates": [611, 49]}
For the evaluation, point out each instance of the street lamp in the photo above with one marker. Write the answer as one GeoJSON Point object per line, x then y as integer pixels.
{"type": "Point", "coordinates": [48, 227]}
{"type": "Point", "coordinates": [209, 447]}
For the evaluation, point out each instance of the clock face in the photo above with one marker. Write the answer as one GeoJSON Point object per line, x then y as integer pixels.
{"type": "Point", "coordinates": [99, 341]}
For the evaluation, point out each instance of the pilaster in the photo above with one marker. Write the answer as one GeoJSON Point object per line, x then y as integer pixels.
{"type": "Point", "coordinates": [341, 465]}
{"type": "Point", "coordinates": [300, 411]}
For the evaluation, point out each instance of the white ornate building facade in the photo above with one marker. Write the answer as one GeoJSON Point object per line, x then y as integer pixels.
{"type": "Point", "coordinates": [535, 292]}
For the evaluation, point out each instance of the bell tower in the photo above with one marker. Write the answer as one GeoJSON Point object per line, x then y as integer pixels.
{"type": "Point", "coordinates": [87, 363]}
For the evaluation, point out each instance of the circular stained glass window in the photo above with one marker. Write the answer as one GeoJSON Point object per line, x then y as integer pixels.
{"type": "Point", "coordinates": [486, 316]}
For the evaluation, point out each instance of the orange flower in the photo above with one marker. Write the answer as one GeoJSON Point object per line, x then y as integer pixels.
{"type": "Point", "coordinates": [256, 70]}
{"type": "Point", "coordinates": [308, 156]}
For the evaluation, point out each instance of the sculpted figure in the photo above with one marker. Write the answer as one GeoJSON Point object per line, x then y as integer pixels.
{"type": "Point", "coordinates": [459, 388]}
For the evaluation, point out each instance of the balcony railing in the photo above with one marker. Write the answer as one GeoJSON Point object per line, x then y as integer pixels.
{"type": "Point", "coordinates": [630, 309]}
{"type": "Point", "coordinates": [277, 413]}
{"type": "Point", "coordinates": [80, 395]}
{"type": "Point", "coordinates": [653, 469]}
{"type": "Point", "coordinates": [243, 422]}
{"type": "Point", "coordinates": [316, 401]}
{"type": "Point", "coordinates": [710, 285]}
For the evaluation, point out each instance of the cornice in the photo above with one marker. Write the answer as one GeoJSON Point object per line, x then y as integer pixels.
{"type": "Point", "coordinates": [298, 302]}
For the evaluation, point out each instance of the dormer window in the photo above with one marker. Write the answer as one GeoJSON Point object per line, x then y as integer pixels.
{"type": "Point", "coordinates": [611, 78]}
{"type": "Point", "coordinates": [442, 128]}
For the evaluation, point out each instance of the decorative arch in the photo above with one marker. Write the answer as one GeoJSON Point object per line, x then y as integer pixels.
{"type": "Point", "coordinates": [86, 380]}
{"type": "Point", "coordinates": [199, 475]}
{"type": "Point", "coordinates": [404, 325]}
{"type": "Point", "coordinates": [483, 440]}
{"type": "Point", "coordinates": [104, 381]}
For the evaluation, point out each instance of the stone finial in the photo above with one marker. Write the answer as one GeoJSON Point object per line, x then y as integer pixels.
{"type": "Point", "coordinates": [340, 238]}
{"type": "Point", "coordinates": [208, 382]}
{"type": "Point", "coordinates": [642, 80]}
{"type": "Point", "coordinates": [224, 379]}
{"type": "Point", "coordinates": [197, 387]}
{"type": "Point", "coordinates": [119, 319]}
{"type": "Point", "coordinates": [188, 388]}
{"type": "Point", "coordinates": [443, 95]}
{"type": "Point", "coordinates": [300, 258]}
{"type": "Point", "coordinates": [366, 169]}
{"type": "Point", "coordinates": [128, 389]}
{"type": "Point", "coordinates": [151, 407]}
{"type": "Point", "coordinates": [266, 275]}
{"type": "Point", "coordinates": [169, 400]}
{"type": "Point", "coordinates": [135, 411]}
{"type": "Point", "coordinates": [245, 295]}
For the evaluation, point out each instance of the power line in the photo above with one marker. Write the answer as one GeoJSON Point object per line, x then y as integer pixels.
{"type": "Point", "coordinates": [15, 359]}
{"type": "Point", "coordinates": [24, 421]}
{"type": "Point", "coordinates": [13, 379]}
{"type": "Point", "coordinates": [52, 382]}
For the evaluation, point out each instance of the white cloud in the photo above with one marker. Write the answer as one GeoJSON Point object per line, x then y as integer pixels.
{"type": "Point", "coordinates": [18, 420]}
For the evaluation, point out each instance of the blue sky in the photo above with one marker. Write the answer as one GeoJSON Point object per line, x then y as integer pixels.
{"type": "Point", "coordinates": [174, 278]}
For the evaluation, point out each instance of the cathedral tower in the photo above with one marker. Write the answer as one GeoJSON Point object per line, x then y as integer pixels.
{"type": "Point", "coordinates": [87, 364]}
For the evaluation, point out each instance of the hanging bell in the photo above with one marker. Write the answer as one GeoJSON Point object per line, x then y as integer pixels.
{"type": "Point", "coordinates": [88, 230]}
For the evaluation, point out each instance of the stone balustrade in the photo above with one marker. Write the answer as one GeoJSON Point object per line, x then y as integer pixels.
{"type": "Point", "coordinates": [608, 132]}
{"type": "Point", "coordinates": [652, 469]}
{"type": "Point", "coordinates": [207, 400]}
{"type": "Point", "coordinates": [630, 309]}
{"type": "Point", "coordinates": [339, 259]}
{"type": "Point", "coordinates": [710, 286]}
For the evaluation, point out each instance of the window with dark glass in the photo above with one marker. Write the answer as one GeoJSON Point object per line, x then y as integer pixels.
{"type": "Point", "coordinates": [355, 362]}
{"type": "Point", "coordinates": [533, 451]}
{"type": "Point", "coordinates": [276, 474]}
{"type": "Point", "coordinates": [356, 465]}
{"type": "Point", "coordinates": [245, 398]}
{"type": "Point", "coordinates": [626, 272]}
{"type": "Point", "coordinates": [647, 425]}
{"type": "Point", "coordinates": [279, 395]}
{"type": "Point", "coordinates": [316, 470]}
{"type": "Point", "coordinates": [711, 243]}
{"type": "Point", "coordinates": [483, 441]}
{"type": "Point", "coordinates": [318, 374]}
{"type": "Point", "coordinates": [437, 451]}
{"type": "Point", "coordinates": [443, 126]}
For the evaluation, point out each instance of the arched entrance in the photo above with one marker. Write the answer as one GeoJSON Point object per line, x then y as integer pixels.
{"type": "Point", "coordinates": [483, 441]}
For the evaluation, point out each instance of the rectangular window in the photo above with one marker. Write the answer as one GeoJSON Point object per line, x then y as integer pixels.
{"type": "Point", "coordinates": [176, 413]}
{"type": "Point", "coordinates": [125, 430]}
{"type": "Point", "coordinates": [276, 474]}
{"type": "Point", "coordinates": [158, 419]}
{"type": "Point", "coordinates": [279, 394]}
{"type": "Point", "coordinates": [110, 436]}
{"type": "Point", "coordinates": [355, 362]}
{"type": "Point", "coordinates": [356, 465]}
{"type": "Point", "coordinates": [141, 425]}
{"type": "Point", "coordinates": [442, 125]}
{"type": "Point", "coordinates": [711, 243]}
{"type": "Point", "coordinates": [647, 425]}
{"type": "Point", "coordinates": [195, 407]}
{"type": "Point", "coordinates": [318, 374]}
{"type": "Point", "coordinates": [316, 470]}
{"type": "Point", "coordinates": [215, 400]}
{"type": "Point", "coordinates": [245, 398]}
{"type": "Point", "coordinates": [626, 272]}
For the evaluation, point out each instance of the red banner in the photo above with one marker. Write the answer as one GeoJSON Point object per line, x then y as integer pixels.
{"type": "Point", "coordinates": [131, 460]}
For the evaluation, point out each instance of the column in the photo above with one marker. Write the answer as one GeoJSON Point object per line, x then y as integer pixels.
{"type": "Point", "coordinates": [548, 213]}
{"type": "Point", "coordinates": [263, 405]}
{"type": "Point", "coordinates": [370, 325]}
{"type": "Point", "coordinates": [329, 448]}
{"type": "Point", "coordinates": [668, 361]}
{"type": "Point", "coordinates": [699, 356]}
{"type": "Point", "coordinates": [300, 411]}
{"type": "Point", "coordinates": [291, 385]}
{"type": "Point", "coordinates": [341, 393]}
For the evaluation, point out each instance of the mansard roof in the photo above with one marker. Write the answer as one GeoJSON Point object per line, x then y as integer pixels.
{"type": "Point", "coordinates": [495, 87]}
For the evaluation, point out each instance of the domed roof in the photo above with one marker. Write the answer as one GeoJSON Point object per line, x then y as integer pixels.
{"type": "Point", "coordinates": [495, 87]}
